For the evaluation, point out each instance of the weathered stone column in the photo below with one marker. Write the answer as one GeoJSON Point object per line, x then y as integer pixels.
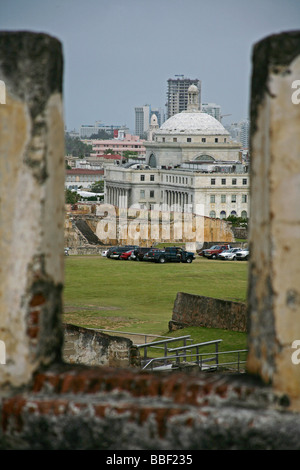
{"type": "Point", "coordinates": [31, 204]}
{"type": "Point", "coordinates": [274, 286]}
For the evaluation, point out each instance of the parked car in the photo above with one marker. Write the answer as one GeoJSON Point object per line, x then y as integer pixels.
{"type": "Point", "coordinates": [173, 254]}
{"type": "Point", "coordinates": [104, 253]}
{"type": "Point", "coordinates": [214, 251]}
{"type": "Point", "coordinates": [138, 253]}
{"type": "Point", "coordinates": [150, 255]}
{"type": "Point", "coordinates": [126, 254]}
{"type": "Point", "coordinates": [229, 254]}
{"type": "Point", "coordinates": [116, 251]}
{"type": "Point", "coordinates": [242, 255]}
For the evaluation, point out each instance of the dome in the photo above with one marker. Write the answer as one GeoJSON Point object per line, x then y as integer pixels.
{"type": "Point", "coordinates": [192, 123]}
{"type": "Point", "coordinates": [193, 89]}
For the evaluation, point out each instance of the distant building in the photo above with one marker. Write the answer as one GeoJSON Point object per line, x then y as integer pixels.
{"type": "Point", "coordinates": [142, 120]}
{"type": "Point", "coordinates": [143, 115]}
{"type": "Point", "coordinates": [190, 162]}
{"type": "Point", "coordinates": [82, 178]}
{"type": "Point", "coordinates": [239, 131]}
{"type": "Point", "coordinates": [87, 130]}
{"type": "Point", "coordinates": [212, 109]}
{"type": "Point", "coordinates": [119, 145]}
{"type": "Point", "coordinates": [177, 94]}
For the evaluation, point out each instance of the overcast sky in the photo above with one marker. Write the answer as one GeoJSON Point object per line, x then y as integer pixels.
{"type": "Point", "coordinates": [119, 54]}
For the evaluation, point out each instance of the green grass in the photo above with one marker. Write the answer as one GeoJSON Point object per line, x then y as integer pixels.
{"type": "Point", "coordinates": [139, 296]}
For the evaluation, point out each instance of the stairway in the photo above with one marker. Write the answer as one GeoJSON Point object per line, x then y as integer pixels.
{"type": "Point", "coordinates": [87, 232]}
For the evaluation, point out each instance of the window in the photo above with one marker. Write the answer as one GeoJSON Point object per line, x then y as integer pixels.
{"type": "Point", "coordinates": [216, 139]}
{"type": "Point", "coordinates": [189, 139]}
{"type": "Point", "coordinates": [222, 215]}
{"type": "Point", "coordinates": [163, 139]}
{"type": "Point", "coordinates": [151, 193]}
{"type": "Point", "coordinates": [223, 198]}
{"type": "Point", "coordinates": [142, 194]}
{"type": "Point", "coordinates": [223, 181]}
{"type": "Point", "coordinates": [244, 197]}
{"type": "Point", "coordinates": [142, 177]}
{"type": "Point", "coordinates": [212, 214]}
{"type": "Point", "coordinates": [233, 181]}
{"type": "Point", "coordinates": [244, 214]}
{"type": "Point", "coordinates": [233, 198]}
{"type": "Point", "coordinates": [212, 198]}
{"type": "Point", "coordinates": [203, 139]}
{"type": "Point", "coordinates": [213, 181]}
{"type": "Point", "coordinates": [244, 180]}
{"type": "Point", "coordinates": [174, 139]}
{"type": "Point", "coordinates": [151, 177]}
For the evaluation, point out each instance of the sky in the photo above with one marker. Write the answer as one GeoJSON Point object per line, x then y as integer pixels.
{"type": "Point", "coordinates": [119, 54]}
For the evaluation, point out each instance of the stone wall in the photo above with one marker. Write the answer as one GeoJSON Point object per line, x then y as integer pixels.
{"type": "Point", "coordinates": [197, 310]}
{"type": "Point", "coordinates": [91, 347]}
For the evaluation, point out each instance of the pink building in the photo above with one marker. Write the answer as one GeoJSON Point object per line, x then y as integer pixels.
{"type": "Point", "coordinates": [119, 145]}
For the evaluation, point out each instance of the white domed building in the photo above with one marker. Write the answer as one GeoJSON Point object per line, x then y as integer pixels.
{"type": "Point", "coordinates": [190, 135]}
{"type": "Point", "coordinates": [191, 165]}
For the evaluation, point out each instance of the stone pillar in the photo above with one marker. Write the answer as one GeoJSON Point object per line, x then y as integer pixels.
{"type": "Point", "coordinates": [274, 272]}
{"type": "Point", "coordinates": [31, 204]}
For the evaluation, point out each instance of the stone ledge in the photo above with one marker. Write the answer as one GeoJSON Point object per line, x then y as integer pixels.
{"type": "Point", "coordinates": [126, 409]}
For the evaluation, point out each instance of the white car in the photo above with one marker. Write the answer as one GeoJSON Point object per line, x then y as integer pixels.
{"type": "Point", "coordinates": [104, 253]}
{"type": "Point", "coordinates": [229, 254]}
{"type": "Point", "coordinates": [242, 255]}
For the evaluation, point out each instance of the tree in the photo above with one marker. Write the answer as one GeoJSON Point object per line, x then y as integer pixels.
{"type": "Point", "coordinates": [108, 151]}
{"type": "Point", "coordinates": [71, 197]}
{"type": "Point", "coordinates": [97, 187]}
{"type": "Point", "coordinates": [102, 135]}
{"type": "Point", "coordinates": [130, 154]}
{"type": "Point", "coordinates": [75, 147]}
{"type": "Point", "coordinates": [237, 221]}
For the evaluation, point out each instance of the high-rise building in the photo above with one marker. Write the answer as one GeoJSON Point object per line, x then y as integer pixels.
{"type": "Point", "coordinates": [239, 131]}
{"type": "Point", "coordinates": [142, 120]}
{"type": "Point", "coordinates": [177, 94]}
{"type": "Point", "coordinates": [212, 109]}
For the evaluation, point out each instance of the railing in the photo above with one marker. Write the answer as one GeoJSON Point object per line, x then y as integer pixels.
{"type": "Point", "coordinates": [181, 352]}
{"type": "Point", "coordinates": [173, 356]}
{"type": "Point", "coordinates": [163, 344]}
{"type": "Point", "coordinates": [205, 361]}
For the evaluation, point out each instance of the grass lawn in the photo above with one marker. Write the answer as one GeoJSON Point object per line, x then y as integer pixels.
{"type": "Point", "coordinates": [139, 296]}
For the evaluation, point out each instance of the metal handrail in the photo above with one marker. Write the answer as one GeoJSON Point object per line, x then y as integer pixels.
{"type": "Point", "coordinates": [213, 355]}
{"type": "Point", "coordinates": [165, 342]}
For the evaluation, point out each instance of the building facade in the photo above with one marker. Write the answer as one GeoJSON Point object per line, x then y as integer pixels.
{"type": "Point", "coordinates": [82, 178]}
{"type": "Point", "coordinates": [87, 130]}
{"type": "Point", "coordinates": [191, 165]}
{"type": "Point", "coordinates": [119, 145]}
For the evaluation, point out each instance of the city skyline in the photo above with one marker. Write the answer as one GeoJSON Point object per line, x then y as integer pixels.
{"type": "Point", "coordinates": [119, 54]}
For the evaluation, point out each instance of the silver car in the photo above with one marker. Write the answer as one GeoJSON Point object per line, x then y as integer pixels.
{"type": "Point", "coordinates": [229, 254]}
